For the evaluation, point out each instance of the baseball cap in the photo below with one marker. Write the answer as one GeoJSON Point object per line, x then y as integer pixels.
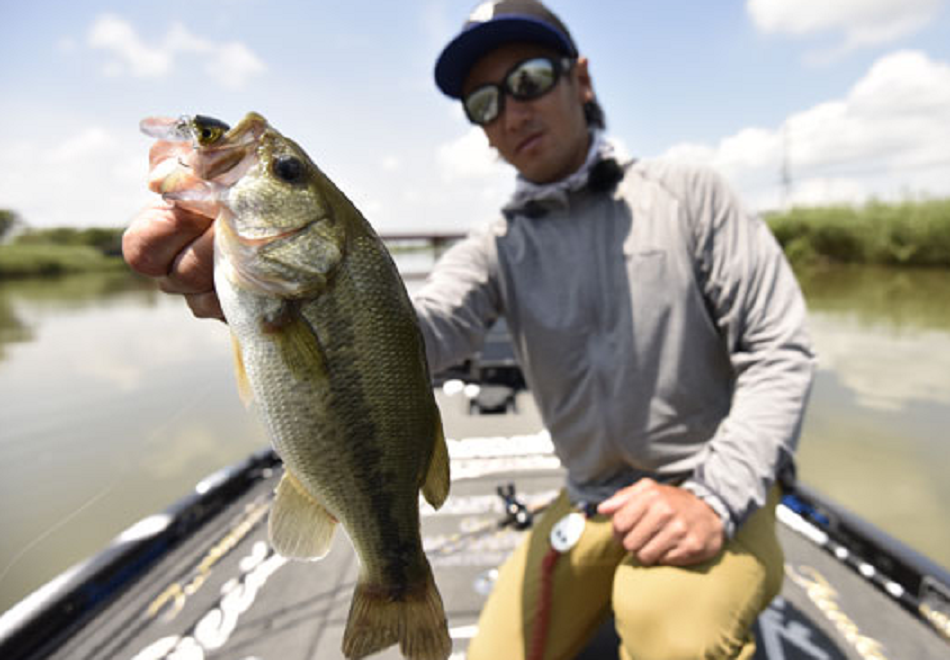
{"type": "Point", "coordinates": [493, 24]}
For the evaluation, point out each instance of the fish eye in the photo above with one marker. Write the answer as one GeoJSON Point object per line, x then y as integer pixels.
{"type": "Point", "coordinates": [288, 169]}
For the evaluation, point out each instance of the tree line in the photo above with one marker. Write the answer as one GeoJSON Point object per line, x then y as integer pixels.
{"type": "Point", "coordinates": [908, 233]}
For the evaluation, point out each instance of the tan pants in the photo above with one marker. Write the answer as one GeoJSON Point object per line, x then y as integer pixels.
{"type": "Point", "coordinates": [661, 612]}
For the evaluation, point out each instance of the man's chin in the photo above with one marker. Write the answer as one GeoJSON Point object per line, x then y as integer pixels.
{"type": "Point", "coordinates": [538, 171]}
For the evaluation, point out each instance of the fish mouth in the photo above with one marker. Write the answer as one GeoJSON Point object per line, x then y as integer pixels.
{"type": "Point", "coordinates": [205, 175]}
{"type": "Point", "coordinates": [226, 165]}
{"type": "Point", "coordinates": [259, 236]}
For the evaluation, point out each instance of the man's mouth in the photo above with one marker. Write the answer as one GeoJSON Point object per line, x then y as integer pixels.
{"type": "Point", "coordinates": [529, 142]}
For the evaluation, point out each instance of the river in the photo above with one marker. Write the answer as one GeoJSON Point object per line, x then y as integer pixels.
{"type": "Point", "coordinates": [114, 402]}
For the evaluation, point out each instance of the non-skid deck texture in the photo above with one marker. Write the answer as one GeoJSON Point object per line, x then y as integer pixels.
{"type": "Point", "coordinates": [224, 594]}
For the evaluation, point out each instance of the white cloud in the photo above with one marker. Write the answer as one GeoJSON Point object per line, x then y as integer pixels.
{"type": "Point", "coordinates": [474, 182]}
{"type": "Point", "coordinates": [390, 163]}
{"type": "Point", "coordinates": [91, 177]}
{"type": "Point", "coordinates": [230, 63]}
{"type": "Point", "coordinates": [469, 157]}
{"type": "Point", "coordinates": [113, 34]}
{"type": "Point", "coordinates": [858, 23]}
{"type": "Point", "coordinates": [888, 137]}
{"type": "Point", "coordinates": [87, 143]}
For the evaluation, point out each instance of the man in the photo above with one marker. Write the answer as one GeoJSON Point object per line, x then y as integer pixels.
{"type": "Point", "coordinates": [660, 330]}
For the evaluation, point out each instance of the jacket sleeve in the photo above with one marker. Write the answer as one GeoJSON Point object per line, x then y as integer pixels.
{"type": "Point", "coordinates": [757, 305]}
{"type": "Point", "coordinates": [459, 301]}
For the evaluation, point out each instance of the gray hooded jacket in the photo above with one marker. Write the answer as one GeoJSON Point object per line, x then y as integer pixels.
{"type": "Point", "coordinates": [658, 326]}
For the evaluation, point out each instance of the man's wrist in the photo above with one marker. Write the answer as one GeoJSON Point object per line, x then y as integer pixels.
{"type": "Point", "coordinates": [714, 502]}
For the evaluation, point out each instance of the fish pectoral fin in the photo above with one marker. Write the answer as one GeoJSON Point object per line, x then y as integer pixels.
{"type": "Point", "coordinates": [243, 383]}
{"type": "Point", "coordinates": [300, 348]}
{"type": "Point", "coordinates": [436, 485]}
{"type": "Point", "coordinates": [299, 527]}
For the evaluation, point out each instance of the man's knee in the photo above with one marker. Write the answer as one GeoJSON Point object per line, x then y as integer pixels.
{"type": "Point", "coordinates": [647, 634]}
{"type": "Point", "coordinates": [667, 613]}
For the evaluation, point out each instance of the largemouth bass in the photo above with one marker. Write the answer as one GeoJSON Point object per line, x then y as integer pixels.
{"type": "Point", "coordinates": [327, 345]}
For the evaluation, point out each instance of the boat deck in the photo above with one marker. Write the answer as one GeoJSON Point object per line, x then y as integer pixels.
{"type": "Point", "coordinates": [221, 592]}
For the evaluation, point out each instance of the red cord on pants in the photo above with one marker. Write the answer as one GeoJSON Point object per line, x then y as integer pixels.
{"type": "Point", "coordinates": [542, 617]}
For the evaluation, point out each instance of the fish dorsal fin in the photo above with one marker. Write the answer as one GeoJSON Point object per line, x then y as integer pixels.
{"type": "Point", "coordinates": [243, 383]}
{"type": "Point", "coordinates": [299, 526]}
{"type": "Point", "coordinates": [436, 486]}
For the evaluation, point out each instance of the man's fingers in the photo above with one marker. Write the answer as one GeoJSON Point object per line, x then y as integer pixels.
{"type": "Point", "coordinates": [205, 305]}
{"type": "Point", "coordinates": [666, 542]}
{"type": "Point", "coordinates": [619, 500]}
{"type": "Point", "coordinates": [158, 234]}
{"type": "Point", "coordinates": [192, 270]}
{"type": "Point", "coordinates": [614, 503]}
{"type": "Point", "coordinates": [661, 524]}
{"type": "Point", "coordinates": [175, 246]}
{"type": "Point", "coordinates": [628, 518]}
{"type": "Point", "coordinates": [636, 533]}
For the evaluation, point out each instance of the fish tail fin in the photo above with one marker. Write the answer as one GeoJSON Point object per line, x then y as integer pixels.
{"type": "Point", "coordinates": [299, 527]}
{"type": "Point", "coordinates": [436, 485]}
{"type": "Point", "coordinates": [414, 618]}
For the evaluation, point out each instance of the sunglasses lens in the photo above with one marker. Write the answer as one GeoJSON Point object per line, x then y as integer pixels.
{"type": "Point", "coordinates": [528, 80]}
{"type": "Point", "coordinates": [531, 79]}
{"type": "Point", "coordinates": [482, 105]}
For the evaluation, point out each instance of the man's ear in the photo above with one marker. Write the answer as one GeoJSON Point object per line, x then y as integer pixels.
{"type": "Point", "coordinates": [585, 86]}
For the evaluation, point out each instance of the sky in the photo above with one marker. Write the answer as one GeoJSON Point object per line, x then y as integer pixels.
{"type": "Point", "coordinates": [795, 102]}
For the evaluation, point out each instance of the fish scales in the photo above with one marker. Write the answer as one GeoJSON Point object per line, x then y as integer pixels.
{"type": "Point", "coordinates": [355, 330]}
{"type": "Point", "coordinates": [327, 344]}
{"type": "Point", "coordinates": [350, 412]}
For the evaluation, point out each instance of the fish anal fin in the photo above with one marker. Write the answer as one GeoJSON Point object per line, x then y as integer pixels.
{"type": "Point", "coordinates": [414, 618]}
{"type": "Point", "coordinates": [299, 527]}
{"type": "Point", "coordinates": [243, 383]}
{"type": "Point", "coordinates": [435, 488]}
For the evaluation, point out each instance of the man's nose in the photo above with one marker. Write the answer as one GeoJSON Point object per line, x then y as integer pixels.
{"type": "Point", "coordinates": [516, 113]}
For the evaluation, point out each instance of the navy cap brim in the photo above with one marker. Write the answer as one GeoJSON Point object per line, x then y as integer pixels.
{"type": "Point", "coordinates": [471, 45]}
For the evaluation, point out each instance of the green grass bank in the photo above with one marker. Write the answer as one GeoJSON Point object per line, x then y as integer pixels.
{"type": "Point", "coordinates": [61, 251]}
{"type": "Point", "coordinates": [889, 234]}
{"type": "Point", "coordinates": [18, 261]}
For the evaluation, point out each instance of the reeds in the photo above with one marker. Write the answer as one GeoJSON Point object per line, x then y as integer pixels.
{"type": "Point", "coordinates": [910, 233]}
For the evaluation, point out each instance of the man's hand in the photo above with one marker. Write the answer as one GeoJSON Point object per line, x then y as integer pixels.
{"type": "Point", "coordinates": [176, 247]}
{"type": "Point", "coordinates": [662, 524]}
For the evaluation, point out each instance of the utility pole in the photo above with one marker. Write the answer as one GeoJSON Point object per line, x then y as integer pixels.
{"type": "Point", "coordinates": [786, 171]}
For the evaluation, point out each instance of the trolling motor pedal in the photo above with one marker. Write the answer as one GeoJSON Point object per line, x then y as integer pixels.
{"type": "Point", "coordinates": [517, 514]}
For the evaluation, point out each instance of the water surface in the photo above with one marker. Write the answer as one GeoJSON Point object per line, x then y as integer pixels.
{"type": "Point", "coordinates": [875, 438]}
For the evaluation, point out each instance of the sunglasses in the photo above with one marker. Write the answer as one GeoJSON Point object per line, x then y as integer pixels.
{"type": "Point", "coordinates": [526, 81]}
